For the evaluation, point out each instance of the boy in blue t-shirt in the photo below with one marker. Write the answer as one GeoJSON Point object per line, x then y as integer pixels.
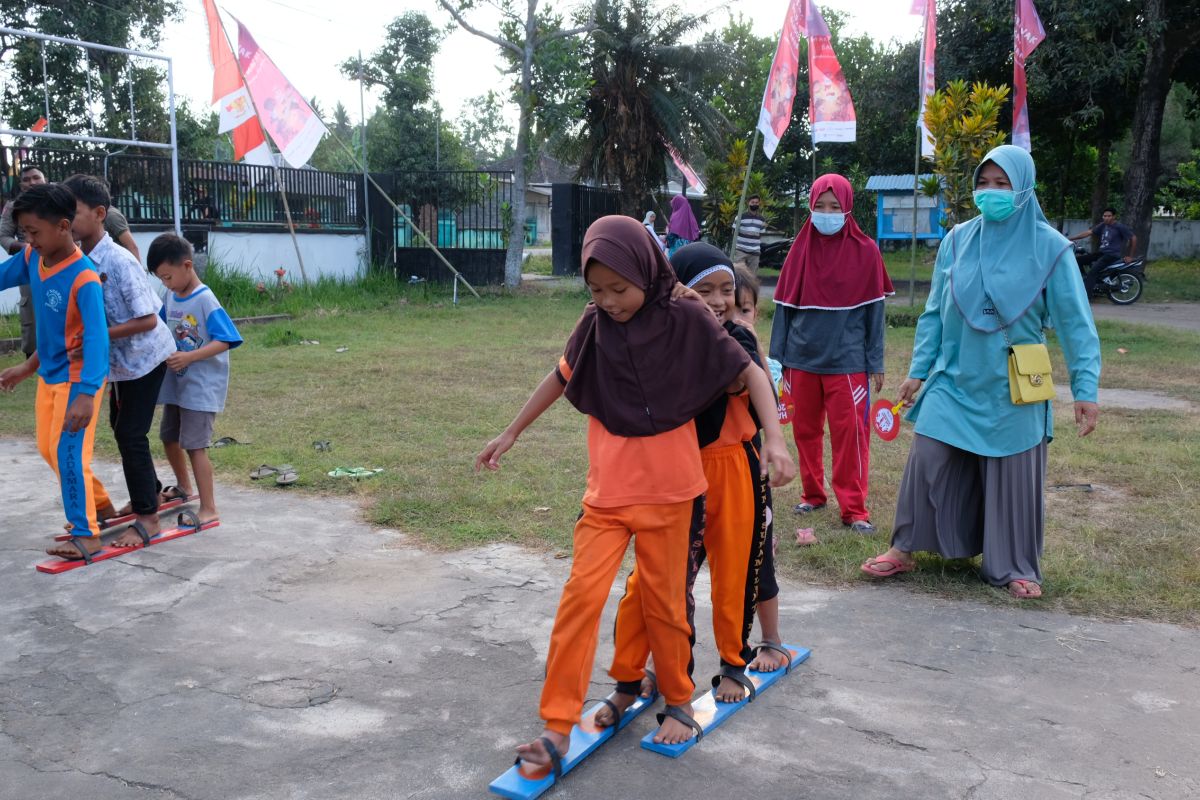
{"type": "Point", "coordinates": [68, 305]}
{"type": "Point", "coordinates": [197, 378]}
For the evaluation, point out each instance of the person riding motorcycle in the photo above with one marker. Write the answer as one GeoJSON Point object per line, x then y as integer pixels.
{"type": "Point", "coordinates": [1113, 237]}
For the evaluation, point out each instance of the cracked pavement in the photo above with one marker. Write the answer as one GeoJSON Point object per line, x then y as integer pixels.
{"type": "Point", "coordinates": [294, 652]}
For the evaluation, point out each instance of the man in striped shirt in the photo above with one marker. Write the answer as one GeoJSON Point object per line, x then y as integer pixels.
{"type": "Point", "coordinates": [749, 233]}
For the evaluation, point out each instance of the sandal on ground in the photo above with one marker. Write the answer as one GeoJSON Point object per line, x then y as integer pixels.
{"type": "Point", "coordinates": [678, 714]}
{"type": "Point", "coordinates": [737, 675]}
{"type": "Point", "coordinates": [323, 445]}
{"type": "Point", "coordinates": [225, 441]}
{"type": "Point", "coordinates": [353, 472]}
{"type": "Point", "coordinates": [778, 648]}
{"type": "Point", "coordinates": [287, 477]}
{"type": "Point", "coordinates": [807, 508]}
{"type": "Point", "coordinates": [555, 759]}
{"type": "Point", "coordinates": [265, 470]}
{"type": "Point", "coordinates": [896, 567]}
{"type": "Point", "coordinates": [806, 536]}
{"type": "Point", "coordinates": [1024, 590]}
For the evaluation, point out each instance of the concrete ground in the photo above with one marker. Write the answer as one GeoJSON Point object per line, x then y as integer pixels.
{"type": "Point", "coordinates": [294, 652]}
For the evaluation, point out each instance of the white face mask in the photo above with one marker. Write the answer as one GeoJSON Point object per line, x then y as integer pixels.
{"type": "Point", "coordinates": [828, 222]}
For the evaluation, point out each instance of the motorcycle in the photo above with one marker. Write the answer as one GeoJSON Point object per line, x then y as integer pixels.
{"type": "Point", "coordinates": [772, 255]}
{"type": "Point", "coordinates": [1120, 282]}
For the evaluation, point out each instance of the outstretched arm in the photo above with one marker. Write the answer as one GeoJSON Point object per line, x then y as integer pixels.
{"type": "Point", "coordinates": [550, 389]}
{"type": "Point", "coordinates": [776, 461]}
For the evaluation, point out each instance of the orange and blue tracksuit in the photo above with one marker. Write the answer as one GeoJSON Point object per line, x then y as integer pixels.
{"type": "Point", "coordinates": [68, 304]}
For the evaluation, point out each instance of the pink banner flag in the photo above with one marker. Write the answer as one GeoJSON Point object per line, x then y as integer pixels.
{"type": "Point", "coordinates": [776, 110]}
{"type": "Point", "coordinates": [284, 114]}
{"type": "Point", "coordinates": [830, 108]}
{"type": "Point", "coordinates": [684, 167]}
{"type": "Point", "coordinates": [1027, 35]}
{"type": "Point", "coordinates": [229, 93]}
{"type": "Point", "coordinates": [927, 9]}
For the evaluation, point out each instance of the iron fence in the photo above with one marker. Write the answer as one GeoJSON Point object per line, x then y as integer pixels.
{"type": "Point", "coordinates": [213, 193]}
{"type": "Point", "coordinates": [455, 209]}
{"type": "Point", "coordinates": [572, 209]}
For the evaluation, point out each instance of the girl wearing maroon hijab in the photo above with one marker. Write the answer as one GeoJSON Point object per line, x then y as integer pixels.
{"type": "Point", "coordinates": [828, 334]}
{"type": "Point", "coordinates": [641, 366]}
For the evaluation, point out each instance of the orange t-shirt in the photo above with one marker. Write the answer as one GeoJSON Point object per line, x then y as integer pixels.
{"type": "Point", "coordinates": [640, 470]}
{"type": "Point", "coordinates": [739, 425]}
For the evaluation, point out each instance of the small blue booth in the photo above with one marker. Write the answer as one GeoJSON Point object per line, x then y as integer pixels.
{"type": "Point", "coordinates": [894, 210]}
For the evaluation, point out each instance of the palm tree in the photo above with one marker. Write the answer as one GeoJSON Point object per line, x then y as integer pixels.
{"type": "Point", "coordinates": [645, 94]}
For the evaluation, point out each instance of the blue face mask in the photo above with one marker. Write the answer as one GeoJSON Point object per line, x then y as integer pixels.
{"type": "Point", "coordinates": [996, 205]}
{"type": "Point", "coordinates": [828, 223]}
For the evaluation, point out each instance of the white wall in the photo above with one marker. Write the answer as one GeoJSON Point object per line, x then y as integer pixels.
{"type": "Point", "coordinates": [260, 254]}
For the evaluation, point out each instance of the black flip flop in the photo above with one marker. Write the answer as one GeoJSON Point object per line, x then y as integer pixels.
{"type": "Point", "coordinates": [787, 668]}
{"type": "Point", "coordinates": [737, 675]}
{"type": "Point", "coordinates": [171, 493]}
{"type": "Point", "coordinates": [188, 519]}
{"type": "Point", "coordinates": [142, 533]}
{"type": "Point", "coordinates": [84, 553]}
{"type": "Point", "coordinates": [612, 707]}
{"type": "Point", "coordinates": [677, 713]}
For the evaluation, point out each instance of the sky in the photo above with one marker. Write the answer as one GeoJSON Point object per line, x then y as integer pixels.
{"type": "Point", "coordinates": [307, 39]}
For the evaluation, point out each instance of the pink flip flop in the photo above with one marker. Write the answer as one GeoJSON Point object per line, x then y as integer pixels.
{"type": "Point", "coordinates": [805, 537]}
{"type": "Point", "coordinates": [1024, 590]}
{"type": "Point", "coordinates": [897, 567]}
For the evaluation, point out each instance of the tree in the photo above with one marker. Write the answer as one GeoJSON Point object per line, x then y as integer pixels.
{"type": "Point", "coordinates": [964, 125]}
{"type": "Point", "coordinates": [329, 155]}
{"type": "Point", "coordinates": [486, 134]}
{"type": "Point", "coordinates": [520, 39]}
{"type": "Point", "coordinates": [1170, 35]}
{"type": "Point", "coordinates": [645, 96]}
{"type": "Point", "coordinates": [724, 181]}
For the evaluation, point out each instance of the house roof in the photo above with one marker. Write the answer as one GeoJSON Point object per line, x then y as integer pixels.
{"type": "Point", "coordinates": [545, 170]}
{"type": "Point", "coordinates": [892, 183]}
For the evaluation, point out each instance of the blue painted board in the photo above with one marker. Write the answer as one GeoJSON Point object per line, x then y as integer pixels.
{"type": "Point", "coordinates": [711, 714]}
{"type": "Point", "coordinates": [585, 738]}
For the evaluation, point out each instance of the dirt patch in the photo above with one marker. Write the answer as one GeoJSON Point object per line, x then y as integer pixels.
{"type": "Point", "coordinates": [1134, 398]}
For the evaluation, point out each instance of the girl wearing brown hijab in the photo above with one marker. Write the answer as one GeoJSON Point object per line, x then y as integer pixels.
{"type": "Point", "coordinates": [641, 366]}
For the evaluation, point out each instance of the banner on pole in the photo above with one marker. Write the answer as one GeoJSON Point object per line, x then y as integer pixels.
{"type": "Point", "coordinates": [229, 94]}
{"type": "Point", "coordinates": [780, 93]}
{"type": "Point", "coordinates": [284, 114]}
{"type": "Point", "coordinates": [684, 167]}
{"type": "Point", "coordinates": [928, 10]}
{"type": "Point", "coordinates": [1028, 33]}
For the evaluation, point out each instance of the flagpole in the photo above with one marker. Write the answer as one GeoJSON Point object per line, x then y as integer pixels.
{"type": "Point", "coordinates": [912, 264]}
{"type": "Point", "coordinates": [287, 211]}
{"type": "Point", "coordinates": [362, 135]}
{"type": "Point", "coordinates": [737, 221]}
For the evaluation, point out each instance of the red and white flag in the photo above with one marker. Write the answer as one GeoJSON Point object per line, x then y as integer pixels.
{"type": "Point", "coordinates": [685, 168]}
{"type": "Point", "coordinates": [1028, 33]}
{"type": "Point", "coordinates": [230, 96]}
{"type": "Point", "coordinates": [830, 109]}
{"type": "Point", "coordinates": [283, 112]}
{"type": "Point", "coordinates": [928, 10]}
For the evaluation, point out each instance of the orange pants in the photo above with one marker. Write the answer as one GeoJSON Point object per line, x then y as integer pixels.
{"type": "Point", "coordinates": [733, 531]}
{"type": "Point", "coordinates": [70, 454]}
{"type": "Point", "coordinates": [660, 534]}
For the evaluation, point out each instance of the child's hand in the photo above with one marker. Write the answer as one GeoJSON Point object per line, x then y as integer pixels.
{"type": "Point", "coordinates": [79, 413]}
{"type": "Point", "coordinates": [10, 377]}
{"type": "Point", "coordinates": [877, 382]}
{"type": "Point", "coordinates": [490, 457]}
{"type": "Point", "coordinates": [679, 290]}
{"type": "Point", "coordinates": [777, 463]}
{"type": "Point", "coordinates": [909, 391]}
{"type": "Point", "coordinates": [178, 360]}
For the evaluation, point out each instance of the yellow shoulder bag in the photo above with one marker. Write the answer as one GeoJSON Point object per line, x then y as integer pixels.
{"type": "Point", "coordinates": [1029, 376]}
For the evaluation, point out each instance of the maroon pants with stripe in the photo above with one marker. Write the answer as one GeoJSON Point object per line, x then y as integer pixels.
{"type": "Point", "coordinates": [846, 401]}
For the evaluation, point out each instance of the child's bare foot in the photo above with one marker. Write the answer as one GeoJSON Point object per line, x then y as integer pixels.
{"type": "Point", "coordinates": [767, 659]}
{"type": "Point", "coordinates": [130, 538]}
{"type": "Point", "coordinates": [729, 691]}
{"type": "Point", "coordinates": [535, 754]}
{"type": "Point", "coordinates": [208, 514]}
{"type": "Point", "coordinates": [672, 730]}
{"type": "Point", "coordinates": [170, 493]}
{"type": "Point", "coordinates": [70, 548]}
{"type": "Point", "coordinates": [605, 717]}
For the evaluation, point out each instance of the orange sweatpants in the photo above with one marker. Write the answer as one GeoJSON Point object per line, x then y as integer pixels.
{"type": "Point", "coordinates": [729, 536]}
{"type": "Point", "coordinates": [70, 454]}
{"type": "Point", "coordinates": [660, 534]}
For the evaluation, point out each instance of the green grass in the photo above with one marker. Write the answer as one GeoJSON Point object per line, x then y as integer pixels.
{"type": "Point", "coordinates": [1172, 281]}
{"type": "Point", "coordinates": [424, 385]}
{"type": "Point", "coordinates": [538, 265]}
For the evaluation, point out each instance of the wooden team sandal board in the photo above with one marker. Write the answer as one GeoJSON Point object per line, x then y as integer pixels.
{"type": "Point", "coordinates": [188, 523]}
{"type": "Point", "coordinates": [709, 713]}
{"type": "Point", "coordinates": [518, 784]}
{"type": "Point", "coordinates": [112, 522]}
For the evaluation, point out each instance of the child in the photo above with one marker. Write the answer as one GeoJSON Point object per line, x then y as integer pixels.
{"type": "Point", "coordinates": [197, 378]}
{"type": "Point", "coordinates": [767, 657]}
{"type": "Point", "coordinates": [729, 526]}
{"type": "Point", "coordinates": [69, 310]}
{"type": "Point", "coordinates": [828, 332]}
{"type": "Point", "coordinates": [139, 344]}
{"type": "Point", "coordinates": [641, 366]}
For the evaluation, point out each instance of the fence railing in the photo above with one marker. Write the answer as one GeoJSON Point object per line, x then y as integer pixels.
{"type": "Point", "coordinates": [468, 209]}
{"type": "Point", "coordinates": [212, 193]}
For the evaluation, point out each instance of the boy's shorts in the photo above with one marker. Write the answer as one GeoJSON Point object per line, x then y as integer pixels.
{"type": "Point", "coordinates": [192, 429]}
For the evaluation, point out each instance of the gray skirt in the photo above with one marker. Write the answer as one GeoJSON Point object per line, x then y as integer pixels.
{"type": "Point", "coordinates": [959, 504]}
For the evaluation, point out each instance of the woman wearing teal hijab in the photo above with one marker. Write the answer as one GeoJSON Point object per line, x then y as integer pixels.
{"type": "Point", "coordinates": [975, 476]}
